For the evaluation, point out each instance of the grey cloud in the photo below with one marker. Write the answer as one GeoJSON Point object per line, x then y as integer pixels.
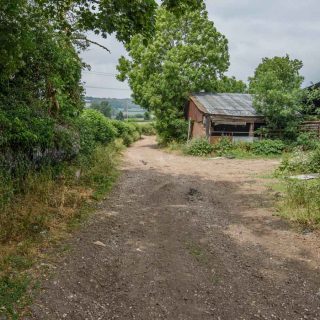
{"type": "Point", "coordinates": [257, 29]}
{"type": "Point", "coordinates": [254, 28]}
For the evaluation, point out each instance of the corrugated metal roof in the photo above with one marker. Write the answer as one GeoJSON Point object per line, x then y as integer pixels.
{"type": "Point", "coordinates": [227, 104]}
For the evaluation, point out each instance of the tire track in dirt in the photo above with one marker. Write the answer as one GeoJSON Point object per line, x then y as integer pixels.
{"type": "Point", "coordinates": [185, 238]}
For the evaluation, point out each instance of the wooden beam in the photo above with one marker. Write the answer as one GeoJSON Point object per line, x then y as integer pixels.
{"type": "Point", "coordinates": [251, 129]}
{"type": "Point", "coordinates": [208, 127]}
{"type": "Point", "coordinates": [230, 119]}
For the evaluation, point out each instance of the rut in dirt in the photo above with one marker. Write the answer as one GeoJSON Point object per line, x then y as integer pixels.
{"type": "Point", "coordinates": [185, 238]}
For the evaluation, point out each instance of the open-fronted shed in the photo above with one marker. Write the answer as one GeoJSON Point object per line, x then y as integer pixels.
{"type": "Point", "coordinates": [214, 115]}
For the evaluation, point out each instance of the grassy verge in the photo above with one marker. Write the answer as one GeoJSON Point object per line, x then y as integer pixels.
{"type": "Point", "coordinates": [301, 203]}
{"type": "Point", "coordinates": [51, 204]}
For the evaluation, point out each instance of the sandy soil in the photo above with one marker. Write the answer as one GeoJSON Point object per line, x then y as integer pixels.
{"type": "Point", "coordinates": [186, 238]}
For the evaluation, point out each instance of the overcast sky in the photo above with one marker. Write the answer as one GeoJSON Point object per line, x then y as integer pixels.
{"type": "Point", "coordinates": [254, 28]}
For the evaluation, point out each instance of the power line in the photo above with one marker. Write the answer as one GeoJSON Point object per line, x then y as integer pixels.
{"type": "Point", "coordinates": [100, 73]}
{"type": "Point", "coordinates": [107, 88]}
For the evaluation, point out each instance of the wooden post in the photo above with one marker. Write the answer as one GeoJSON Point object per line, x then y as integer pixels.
{"type": "Point", "coordinates": [208, 127]}
{"type": "Point", "coordinates": [189, 130]}
{"type": "Point", "coordinates": [251, 130]}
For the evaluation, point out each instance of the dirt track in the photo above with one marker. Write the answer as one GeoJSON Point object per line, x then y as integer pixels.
{"type": "Point", "coordinates": [186, 238]}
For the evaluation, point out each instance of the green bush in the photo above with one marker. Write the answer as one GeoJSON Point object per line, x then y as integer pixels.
{"type": "Point", "coordinates": [148, 129]}
{"type": "Point", "coordinates": [199, 147]}
{"type": "Point", "coordinates": [171, 129]}
{"type": "Point", "coordinates": [268, 147]}
{"type": "Point", "coordinates": [100, 127]}
{"type": "Point", "coordinates": [300, 162]}
{"type": "Point", "coordinates": [129, 132]}
{"type": "Point", "coordinates": [95, 129]}
{"type": "Point", "coordinates": [308, 141]}
{"type": "Point", "coordinates": [223, 146]}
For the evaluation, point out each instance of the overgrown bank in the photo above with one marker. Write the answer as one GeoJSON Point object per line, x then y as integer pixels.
{"type": "Point", "coordinates": [42, 204]}
{"type": "Point", "coordinates": [226, 148]}
{"type": "Point", "coordinates": [301, 197]}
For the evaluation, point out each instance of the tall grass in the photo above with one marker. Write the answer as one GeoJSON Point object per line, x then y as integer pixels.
{"type": "Point", "coordinates": [47, 206]}
{"type": "Point", "coordinates": [301, 203]}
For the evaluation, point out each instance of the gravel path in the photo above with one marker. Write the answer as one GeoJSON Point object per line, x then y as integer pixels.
{"type": "Point", "coordinates": [186, 238]}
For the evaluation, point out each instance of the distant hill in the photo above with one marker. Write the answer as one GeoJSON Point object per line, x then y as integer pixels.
{"type": "Point", "coordinates": [118, 104]}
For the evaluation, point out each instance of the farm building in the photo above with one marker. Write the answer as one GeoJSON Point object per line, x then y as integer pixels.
{"type": "Point", "coordinates": [213, 115]}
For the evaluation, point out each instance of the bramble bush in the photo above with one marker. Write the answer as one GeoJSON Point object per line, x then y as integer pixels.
{"type": "Point", "coordinates": [257, 148]}
{"type": "Point", "coordinates": [223, 146]}
{"type": "Point", "coordinates": [198, 147]}
{"type": "Point", "coordinates": [300, 162]}
{"type": "Point", "coordinates": [268, 147]}
{"type": "Point", "coordinates": [308, 141]}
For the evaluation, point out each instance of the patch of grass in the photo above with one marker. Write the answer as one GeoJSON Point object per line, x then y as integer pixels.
{"type": "Point", "coordinates": [52, 203]}
{"type": "Point", "coordinates": [301, 203]}
{"type": "Point", "coordinates": [13, 296]}
{"type": "Point", "coordinates": [277, 186]}
{"type": "Point", "coordinates": [197, 252]}
{"type": "Point", "coordinates": [215, 279]}
{"type": "Point", "coordinates": [175, 147]}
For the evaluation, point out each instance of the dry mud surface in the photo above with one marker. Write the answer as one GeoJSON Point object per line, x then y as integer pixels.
{"type": "Point", "coordinates": [185, 238]}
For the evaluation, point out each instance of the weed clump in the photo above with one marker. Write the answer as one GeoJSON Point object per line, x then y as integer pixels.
{"type": "Point", "coordinates": [199, 147]}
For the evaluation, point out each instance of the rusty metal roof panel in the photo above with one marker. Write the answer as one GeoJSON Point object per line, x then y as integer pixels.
{"type": "Point", "coordinates": [227, 104]}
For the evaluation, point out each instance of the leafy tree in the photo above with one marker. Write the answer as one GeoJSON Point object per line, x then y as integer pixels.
{"type": "Point", "coordinates": [311, 99]}
{"type": "Point", "coordinates": [276, 85]}
{"type": "Point", "coordinates": [122, 17]}
{"type": "Point", "coordinates": [40, 90]}
{"type": "Point", "coordinates": [104, 107]}
{"type": "Point", "coordinates": [187, 54]}
{"type": "Point", "coordinates": [120, 116]}
{"type": "Point", "coordinates": [40, 68]}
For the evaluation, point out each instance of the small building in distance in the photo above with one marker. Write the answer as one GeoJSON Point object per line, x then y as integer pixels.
{"type": "Point", "coordinates": [216, 115]}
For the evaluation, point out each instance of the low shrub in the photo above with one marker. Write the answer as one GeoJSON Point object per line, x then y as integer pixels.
{"type": "Point", "coordinates": [100, 127]}
{"type": "Point", "coordinates": [223, 146]}
{"type": "Point", "coordinates": [148, 129]}
{"type": "Point", "coordinates": [199, 147]}
{"type": "Point", "coordinates": [308, 141]}
{"type": "Point", "coordinates": [268, 147]}
{"type": "Point", "coordinates": [300, 162]}
{"type": "Point", "coordinates": [129, 132]}
{"type": "Point", "coordinates": [95, 128]}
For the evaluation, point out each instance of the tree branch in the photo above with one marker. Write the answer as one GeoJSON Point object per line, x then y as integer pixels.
{"type": "Point", "coordinates": [81, 37]}
{"type": "Point", "coordinates": [97, 44]}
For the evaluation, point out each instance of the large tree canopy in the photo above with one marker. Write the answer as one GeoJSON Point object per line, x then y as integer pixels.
{"type": "Point", "coordinates": [40, 69]}
{"type": "Point", "coordinates": [276, 85]}
{"type": "Point", "coordinates": [187, 53]}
